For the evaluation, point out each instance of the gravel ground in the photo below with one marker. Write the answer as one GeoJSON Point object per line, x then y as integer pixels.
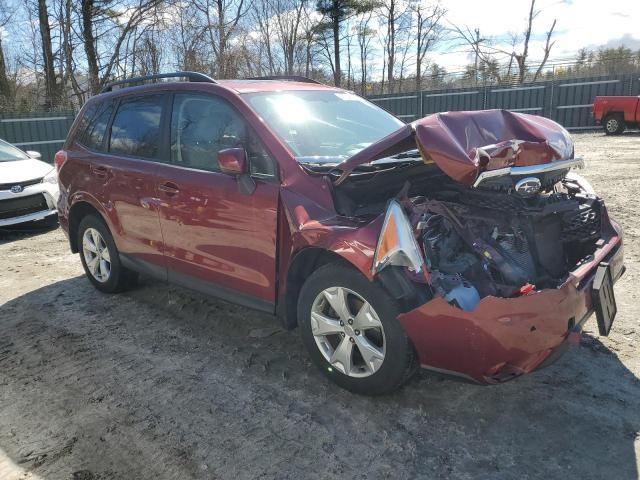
{"type": "Point", "coordinates": [164, 383]}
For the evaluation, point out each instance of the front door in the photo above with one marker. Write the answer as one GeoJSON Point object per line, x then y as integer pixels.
{"type": "Point", "coordinates": [218, 239]}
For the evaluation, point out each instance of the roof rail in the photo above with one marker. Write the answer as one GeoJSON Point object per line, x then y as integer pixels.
{"type": "Point", "coordinates": [287, 78]}
{"type": "Point", "coordinates": [191, 76]}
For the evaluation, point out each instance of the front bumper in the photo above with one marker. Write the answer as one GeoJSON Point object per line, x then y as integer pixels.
{"type": "Point", "coordinates": [503, 338]}
{"type": "Point", "coordinates": [51, 194]}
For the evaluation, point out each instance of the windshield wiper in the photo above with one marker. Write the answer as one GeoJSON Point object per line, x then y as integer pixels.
{"type": "Point", "coordinates": [411, 157]}
{"type": "Point", "coordinates": [408, 154]}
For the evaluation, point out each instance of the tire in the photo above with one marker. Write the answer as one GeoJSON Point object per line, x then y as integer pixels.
{"type": "Point", "coordinates": [377, 377]}
{"type": "Point", "coordinates": [614, 124]}
{"type": "Point", "coordinates": [119, 278]}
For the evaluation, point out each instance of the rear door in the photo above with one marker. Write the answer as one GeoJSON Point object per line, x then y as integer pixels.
{"type": "Point", "coordinates": [219, 238]}
{"type": "Point", "coordinates": [133, 151]}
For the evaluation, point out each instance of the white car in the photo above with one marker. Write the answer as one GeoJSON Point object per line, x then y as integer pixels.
{"type": "Point", "coordinates": [28, 187]}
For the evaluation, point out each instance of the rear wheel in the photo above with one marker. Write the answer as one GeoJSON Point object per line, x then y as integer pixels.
{"type": "Point", "coordinates": [350, 328]}
{"type": "Point", "coordinates": [614, 124]}
{"type": "Point", "coordinates": [100, 257]}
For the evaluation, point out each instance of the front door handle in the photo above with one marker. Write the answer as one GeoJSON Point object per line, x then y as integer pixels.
{"type": "Point", "coordinates": [168, 188]}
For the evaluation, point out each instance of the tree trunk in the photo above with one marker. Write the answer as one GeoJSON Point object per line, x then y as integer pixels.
{"type": "Point", "coordinates": [391, 44]}
{"type": "Point", "coordinates": [336, 43]}
{"type": "Point", "coordinates": [418, 74]}
{"type": "Point", "coordinates": [222, 39]}
{"type": "Point", "coordinates": [5, 88]}
{"type": "Point", "coordinates": [90, 46]}
{"type": "Point", "coordinates": [51, 87]}
{"type": "Point", "coordinates": [67, 48]}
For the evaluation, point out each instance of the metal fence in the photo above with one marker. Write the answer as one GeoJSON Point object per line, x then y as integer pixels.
{"type": "Point", "coordinates": [565, 101]}
{"type": "Point", "coordinates": [42, 132]}
{"type": "Point", "coordinates": [568, 102]}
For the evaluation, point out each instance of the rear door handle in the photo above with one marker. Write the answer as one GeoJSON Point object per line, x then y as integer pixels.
{"type": "Point", "coordinates": [168, 188]}
{"type": "Point", "coordinates": [100, 171]}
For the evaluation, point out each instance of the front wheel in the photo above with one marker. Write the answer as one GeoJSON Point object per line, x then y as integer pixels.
{"type": "Point", "coordinates": [100, 258]}
{"type": "Point", "coordinates": [350, 328]}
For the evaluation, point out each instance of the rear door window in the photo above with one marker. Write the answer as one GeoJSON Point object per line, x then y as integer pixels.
{"type": "Point", "coordinates": [136, 128]}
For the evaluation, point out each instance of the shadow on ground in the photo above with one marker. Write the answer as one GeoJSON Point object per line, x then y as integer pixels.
{"type": "Point", "coordinates": [32, 229]}
{"type": "Point", "coordinates": [163, 383]}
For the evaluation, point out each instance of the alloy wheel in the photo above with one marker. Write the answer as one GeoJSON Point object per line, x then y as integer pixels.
{"type": "Point", "coordinates": [96, 255]}
{"type": "Point", "coordinates": [612, 125]}
{"type": "Point", "coordinates": [348, 332]}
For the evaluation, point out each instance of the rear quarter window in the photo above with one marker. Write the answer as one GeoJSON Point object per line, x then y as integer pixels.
{"type": "Point", "coordinates": [135, 129]}
{"type": "Point", "coordinates": [94, 125]}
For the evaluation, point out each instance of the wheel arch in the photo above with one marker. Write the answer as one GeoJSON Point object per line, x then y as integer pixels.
{"type": "Point", "coordinates": [77, 212]}
{"type": "Point", "coordinates": [303, 264]}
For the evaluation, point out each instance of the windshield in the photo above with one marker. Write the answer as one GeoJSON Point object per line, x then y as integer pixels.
{"type": "Point", "coordinates": [9, 153]}
{"type": "Point", "coordinates": [323, 126]}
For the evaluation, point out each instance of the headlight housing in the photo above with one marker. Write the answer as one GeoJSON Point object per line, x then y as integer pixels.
{"type": "Point", "coordinates": [582, 182]}
{"type": "Point", "coordinates": [51, 177]}
{"type": "Point", "coordinates": [397, 245]}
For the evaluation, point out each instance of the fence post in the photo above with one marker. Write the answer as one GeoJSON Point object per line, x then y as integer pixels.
{"type": "Point", "coordinates": [553, 81]}
{"type": "Point", "coordinates": [484, 94]}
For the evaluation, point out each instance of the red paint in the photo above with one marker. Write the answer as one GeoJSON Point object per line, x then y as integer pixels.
{"type": "Point", "coordinates": [213, 232]}
{"type": "Point", "coordinates": [628, 107]}
{"type": "Point", "coordinates": [199, 224]}
{"type": "Point", "coordinates": [232, 161]}
{"type": "Point", "coordinates": [505, 334]}
{"type": "Point", "coordinates": [463, 144]}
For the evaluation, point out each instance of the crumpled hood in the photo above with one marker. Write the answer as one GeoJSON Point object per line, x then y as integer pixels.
{"type": "Point", "coordinates": [464, 144]}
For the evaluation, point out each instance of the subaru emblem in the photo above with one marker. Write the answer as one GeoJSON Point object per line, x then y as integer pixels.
{"type": "Point", "coordinates": [16, 189]}
{"type": "Point", "coordinates": [528, 186]}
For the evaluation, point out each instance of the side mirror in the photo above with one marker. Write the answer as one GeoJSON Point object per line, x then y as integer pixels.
{"type": "Point", "coordinates": [34, 155]}
{"type": "Point", "coordinates": [233, 161]}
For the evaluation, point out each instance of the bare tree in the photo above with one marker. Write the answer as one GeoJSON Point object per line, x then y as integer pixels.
{"type": "Point", "coordinates": [335, 13]}
{"type": "Point", "coordinates": [428, 32]}
{"type": "Point", "coordinates": [474, 41]}
{"type": "Point", "coordinates": [520, 57]}
{"type": "Point", "coordinates": [308, 39]}
{"type": "Point", "coordinates": [222, 17]}
{"type": "Point", "coordinates": [547, 50]}
{"type": "Point", "coordinates": [51, 86]}
{"type": "Point", "coordinates": [364, 35]}
{"type": "Point", "coordinates": [288, 17]}
{"type": "Point", "coordinates": [5, 86]}
{"type": "Point", "coordinates": [113, 25]}
{"type": "Point", "coordinates": [262, 14]}
{"type": "Point", "coordinates": [391, 13]}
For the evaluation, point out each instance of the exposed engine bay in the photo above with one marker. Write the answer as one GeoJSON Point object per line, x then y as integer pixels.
{"type": "Point", "coordinates": [490, 240]}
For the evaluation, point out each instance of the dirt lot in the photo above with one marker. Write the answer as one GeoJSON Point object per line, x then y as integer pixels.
{"type": "Point", "coordinates": [164, 383]}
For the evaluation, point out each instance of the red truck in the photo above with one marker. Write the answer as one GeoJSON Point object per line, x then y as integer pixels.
{"type": "Point", "coordinates": [616, 114]}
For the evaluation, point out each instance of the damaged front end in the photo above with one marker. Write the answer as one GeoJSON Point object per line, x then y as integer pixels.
{"type": "Point", "coordinates": [495, 249]}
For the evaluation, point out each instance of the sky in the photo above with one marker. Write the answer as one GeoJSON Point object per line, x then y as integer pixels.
{"type": "Point", "coordinates": [581, 23]}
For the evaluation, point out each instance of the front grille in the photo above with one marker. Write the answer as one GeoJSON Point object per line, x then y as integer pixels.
{"type": "Point", "coordinates": [7, 186]}
{"type": "Point", "coordinates": [582, 224]}
{"type": "Point", "coordinates": [16, 207]}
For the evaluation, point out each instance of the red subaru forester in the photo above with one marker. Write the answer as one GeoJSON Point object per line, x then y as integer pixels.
{"type": "Point", "coordinates": [461, 242]}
